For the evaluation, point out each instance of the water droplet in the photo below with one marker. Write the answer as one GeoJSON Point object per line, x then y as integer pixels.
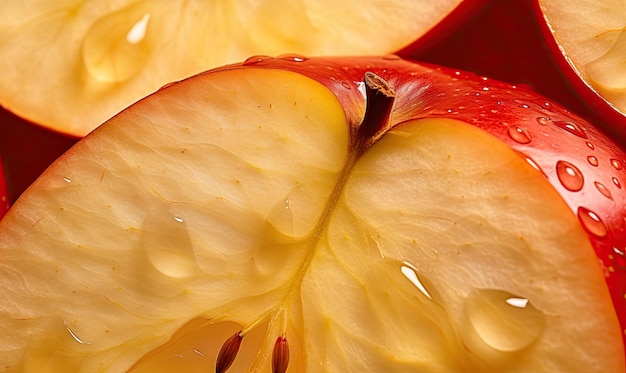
{"type": "Point", "coordinates": [571, 127]}
{"type": "Point", "coordinates": [117, 46]}
{"type": "Point", "coordinates": [570, 176]}
{"type": "Point", "coordinates": [590, 145]}
{"type": "Point", "coordinates": [547, 104]}
{"type": "Point", "coordinates": [293, 57]}
{"type": "Point", "coordinates": [502, 320]}
{"type": "Point", "coordinates": [256, 59]}
{"type": "Point", "coordinates": [603, 189]}
{"type": "Point", "coordinates": [525, 106]}
{"type": "Point", "coordinates": [74, 335]}
{"type": "Point", "coordinates": [485, 88]}
{"type": "Point", "coordinates": [616, 182]}
{"type": "Point", "coordinates": [544, 121]}
{"type": "Point", "coordinates": [519, 135]}
{"type": "Point", "coordinates": [410, 272]}
{"type": "Point", "coordinates": [391, 57]}
{"type": "Point", "coordinates": [167, 85]}
{"type": "Point", "coordinates": [616, 164]}
{"type": "Point", "coordinates": [592, 160]}
{"type": "Point", "coordinates": [534, 165]}
{"type": "Point", "coordinates": [138, 32]}
{"type": "Point", "coordinates": [619, 258]}
{"type": "Point", "coordinates": [592, 222]}
{"type": "Point", "coordinates": [67, 179]}
{"type": "Point", "coordinates": [346, 85]}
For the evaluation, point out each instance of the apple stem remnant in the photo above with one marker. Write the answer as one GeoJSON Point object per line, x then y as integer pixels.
{"type": "Point", "coordinates": [280, 355]}
{"type": "Point", "coordinates": [228, 352]}
{"type": "Point", "coordinates": [379, 97]}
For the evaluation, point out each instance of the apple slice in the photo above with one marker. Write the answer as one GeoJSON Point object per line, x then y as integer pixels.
{"type": "Point", "coordinates": [589, 42]}
{"type": "Point", "coordinates": [350, 214]}
{"type": "Point", "coordinates": [72, 65]}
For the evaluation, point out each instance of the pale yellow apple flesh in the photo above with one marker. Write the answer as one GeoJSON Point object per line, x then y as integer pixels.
{"type": "Point", "coordinates": [234, 202]}
{"type": "Point", "coordinates": [71, 65]}
{"type": "Point", "coordinates": [591, 34]}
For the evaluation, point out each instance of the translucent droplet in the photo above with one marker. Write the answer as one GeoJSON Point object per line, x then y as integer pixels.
{"type": "Point", "coordinates": [571, 127]}
{"type": "Point", "coordinates": [502, 320]}
{"type": "Point", "coordinates": [293, 57]}
{"type": "Point", "coordinates": [603, 189]}
{"type": "Point", "coordinates": [67, 179]}
{"type": "Point", "coordinates": [592, 160]}
{"type": "Point", "coordinates": [616, 164]}
{"type": "Point", "coordinates": [592, 222]}
{"type": "Point", "coordinates": [519, 135]}
{"type": "Point", "coordinates": [410, 272]}
{"type": "Point", "coordinates": [590, 145]}
{"type": "Point", "coordinates": [391, 57]}
{"type": "Point", "coordinates": [166, 242]}
{"type": "Point", "coordinates": [256, 59]}
{"type": "Point", "coordinates": [524, 106]}
{"type": "Point", "coordinates": [74, 335]}
{"type": "Point", "coordinates": [619, 258]}
{"type": "Point", "coordinates": [569, 176]}
{"type": "Point", "coordinates": [346, 85]}
{"type": "Point", "coordinates": [616, 182]}
{"type": "Point", "coordinates": [534, 165]}
{"type": "Point", "coordinates": [543, 121]}
{"type": "Point", "coordinates": [116, 46]}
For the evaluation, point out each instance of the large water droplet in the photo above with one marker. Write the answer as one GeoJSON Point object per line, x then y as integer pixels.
{"type": "Point", "coordinates": [603, 189]}
{"type": "Point", "coordinates": [519, 135]}
{"type": "Point", "coordinates": [569, 176]}
{"type": "Point", "coordinates": [592, 222]}
{"type": "Point", "coordinates": [166, 242]}
{"type": "Point", "coordinates": [502, 320]}
{"type": "Point", "coordinates": [571, 127]}
{"type": "Point", "coordinates": [116, 46]}
{"type": "Point", "coordinates": [256, 59]}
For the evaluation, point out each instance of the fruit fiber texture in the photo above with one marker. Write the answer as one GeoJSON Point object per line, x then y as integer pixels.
{"type": "Point", "coordinates": [239, 196]}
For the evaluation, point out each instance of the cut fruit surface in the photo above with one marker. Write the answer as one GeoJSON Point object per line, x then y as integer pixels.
{"type": "Point", "coordinates": [590, 44]}
{"type": "Point", "coordinates": [71, 65]}
{"type": "Point", "coordinates": [239, 202]}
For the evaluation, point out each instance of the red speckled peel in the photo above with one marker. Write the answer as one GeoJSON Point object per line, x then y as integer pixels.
{"type": "Point", "coordinates": [586, 167]}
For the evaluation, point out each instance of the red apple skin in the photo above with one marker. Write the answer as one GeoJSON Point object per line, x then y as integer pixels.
{"type": "Point", "coordinates": [4, 193]}
{"type": "Point", "coordinates": [585, 166]}
{"type": "Point", "coordinates": [26, 150]}
{"type": "Point", "coordinates": [453, 22]}
{"type": "Point", "coordinates": [609, 117]}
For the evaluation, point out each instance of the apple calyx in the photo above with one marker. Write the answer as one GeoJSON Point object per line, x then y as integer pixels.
{"type": "Point", "coordinates": [379, 97]}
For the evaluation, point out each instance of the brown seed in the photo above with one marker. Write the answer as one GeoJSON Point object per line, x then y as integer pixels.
{"type": "Point", "coordinates": [280, 356]}
{"type": "Point", "coordinates": [228, 352]}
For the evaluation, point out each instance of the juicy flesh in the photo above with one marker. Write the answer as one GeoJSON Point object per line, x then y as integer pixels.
{"type": "Point", "coordinates": [591, 35]}
{"type": "Point", "coordinates": [233, 202]}
{"type": "Point", "coordinates": [72, 65]}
